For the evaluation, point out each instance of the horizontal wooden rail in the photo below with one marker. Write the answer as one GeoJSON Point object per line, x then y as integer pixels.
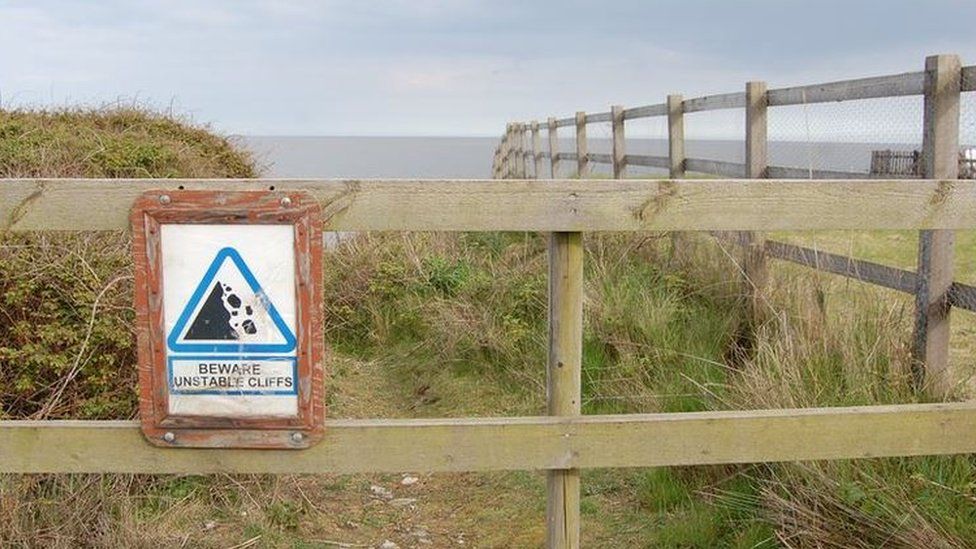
{"type": "Point", "coordinates": [518, 443]}
{"type": "Point", "coordinates": [875, 87]}
{"type": "Point", "coordinates": [961, 295]}
{"type": "Point", "coordinates": [736, 100]}
{"type": "Point", "coordinates": [969, 78]}
{"type": "Point", "coordinates": [600, 158]}
{"type": "Point", "coordinates": [646, 111]}
{"type": "Point", "coordinates": [864, 271]}
{"type": "Point", "coordinates": [784, 172]}
{"type": "Point", "coordinates": [717, 167]}
{"type": "Point", "coordinates": [567, 156]}
{"type": "Point", "coordinates": [895, 85]}
{"type": "Point", "coordinates": [532, 205]}
{"type": "Point", "coordinates": [647, 160]}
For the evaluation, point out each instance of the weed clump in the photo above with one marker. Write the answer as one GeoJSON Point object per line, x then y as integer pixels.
{"type": "Point", "coordinates": [66, 298]}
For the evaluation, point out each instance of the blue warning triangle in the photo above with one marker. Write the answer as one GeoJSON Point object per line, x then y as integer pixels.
{"type": "Point", "coordinates": [210, 329]}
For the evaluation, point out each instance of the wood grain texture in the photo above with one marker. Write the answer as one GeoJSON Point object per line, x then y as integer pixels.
{"type": "Point", "coordinates": [940, 157]}
{"type": "Point", "coordinates": [566, 122]}
{"type": "Point", "coordinates": [754, 273]}
{"type": "Point", "coordinates": [735, 100]}
{"type": "Point", "coordinates": [526, 443]}
{"type": "Point", "coordinates": [564, 379]}
{"type": "Point", "coordinates": [894, 85]}
{"type": "Point", "coordinates": [647, 160]}
{"type": "Point", "coordinates": [619, 141]}
{"type": "Point", "coordinates": [646, 111]}
{"type": "Point", "coordinates": [676, 137]}
{"type": "Point", "coordinates": [553, 148]}
{"type": "Point", "coordinates": [582, 160]}
{"type": "Point", "coordinates": [599, 158]}
{"type": "Point", "coordinates": [593, 118]}
{"type": "Point", "coordinates": [527, 205]}
{"type": "Point", "coordinates": [536, 152]}
{"type": "Point", "coordinates": [716, 167]}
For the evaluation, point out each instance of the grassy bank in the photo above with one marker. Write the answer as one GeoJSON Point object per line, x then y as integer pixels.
{"type": "Point", "coordinates": [423, 325]}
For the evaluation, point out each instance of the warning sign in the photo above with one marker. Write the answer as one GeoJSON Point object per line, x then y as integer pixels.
{"type": "Point", "coordinates": [229, 324]}
{"type": "Point", "coordinates": [229, 310]}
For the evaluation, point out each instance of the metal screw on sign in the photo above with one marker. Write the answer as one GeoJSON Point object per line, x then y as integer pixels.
{"type": "Point", "coordinates": [285, 202]}
{"type": "Point", "coordinates": [165, 199]}
{"type": "Point", "coordinates": [297, 437]}
{"type": "Point", "coordinates": [169, 436]}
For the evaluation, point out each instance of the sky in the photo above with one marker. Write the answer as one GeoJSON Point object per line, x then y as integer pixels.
{"type": "Point", "coordinates": [463, 67]}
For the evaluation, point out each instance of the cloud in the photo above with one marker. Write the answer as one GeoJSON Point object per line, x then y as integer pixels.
{"type": "Point", "coordinates": [437, 67]}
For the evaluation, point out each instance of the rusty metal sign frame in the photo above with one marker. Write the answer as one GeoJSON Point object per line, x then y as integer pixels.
{"type": "Point", "coordinates": [298, 209]}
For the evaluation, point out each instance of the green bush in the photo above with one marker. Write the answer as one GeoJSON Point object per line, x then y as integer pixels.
{"type": "Point", "coordinates": [66, 337]}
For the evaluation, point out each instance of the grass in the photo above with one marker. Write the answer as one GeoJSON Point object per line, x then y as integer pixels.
{"type": "Point", "coordinates": [423, 325]}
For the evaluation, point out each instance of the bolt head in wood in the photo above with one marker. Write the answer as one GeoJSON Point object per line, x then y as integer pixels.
{"type": "Point", "coordinates": [169, 436]}
{"type": "Point", "coordinates": [165, 199]}
{"type": "Point", "coordinates": [297, 437]}
{"type": "Point", "coordinates": [285, 202]}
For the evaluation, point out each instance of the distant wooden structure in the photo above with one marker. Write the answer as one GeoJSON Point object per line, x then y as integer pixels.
{"type": "Point", "coordinates": [891, 163]}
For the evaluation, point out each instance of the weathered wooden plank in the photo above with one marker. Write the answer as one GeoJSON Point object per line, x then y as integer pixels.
{"type": "Point", "coordinates": [676, 137]}
{"type": "Point", "coordinates": [536, 152]}
{"type": "Point", "coordinates": [753, 256]}
{"type": "Point", "coordinates": [582, 159]}
{"type": "Point", "coordinates": [647, 160]}
{"type": "Point", "coordinates": [963, 296]}
{"type": "Point", "coordinates": [785, 172]}
{"type": "Point", "coordinates": [940, 158]}
{"type": "Point", "coordinates": [864, 271]}
{"type": "Point", "coordinates": [735, 100]}
{"type": "Point", "coordinates": [599, 117]}
{"type": "Point", "coordinates": [599, 158]}
{"type": "Point", "coordinates": [527, 443]}
{"type": "Point", "coordinates": [553, 148]}
{"type": "Point", "coordinates": [894, 85]}
{"type": "Point", "coordinates": [528, 205]}
{"type": "Point", "coordinates": [969, 78]}
{"type": "Point", "coordinates": [564, 122]}
{"type": "Point", "coordinates": [619, 141]}
{"type": "Point", "coordinates": [717, 167]}
{"type": "Point", "coordinates": [564, 379]}
{"type": "Point", "coordinates": [568, 156]}
{"type": "Point", "coordinates": [645, 111]}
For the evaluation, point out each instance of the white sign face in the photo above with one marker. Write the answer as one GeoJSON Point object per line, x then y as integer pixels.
{"type": "Point", "coordinates": [230, 319]}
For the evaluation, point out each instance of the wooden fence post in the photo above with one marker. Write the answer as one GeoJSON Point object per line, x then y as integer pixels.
{"type": "Point", "coordinates": [676, 155]}
{"type": "Point", "coordinates": [520, 151]}
{"type": "Point", "coordinates": [509, 164]}
{"type": "Point", "coordinates": [536, 151]}
{"type": "Point", "coordinates": [564, 384]}
{"type": "Point", "coordinates": [553, 148]}
{"type": "Point", "coordinates": [754, 254]}
{"type": "Point", "coordinates": [582, 162]}
{"type": "Point", "coordinates": [619, 142]}
{"type": "Point", "coordinates": [940, 158]}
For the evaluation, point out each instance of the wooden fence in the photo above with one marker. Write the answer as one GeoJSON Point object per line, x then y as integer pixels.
{"type": "Point", "coordinates": [563, 442]}
{"type": "Point", "coordinates": [941, 84]}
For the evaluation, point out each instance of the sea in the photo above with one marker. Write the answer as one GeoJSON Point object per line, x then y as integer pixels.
{"type": "Point", "coordinates": [470, 157]}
